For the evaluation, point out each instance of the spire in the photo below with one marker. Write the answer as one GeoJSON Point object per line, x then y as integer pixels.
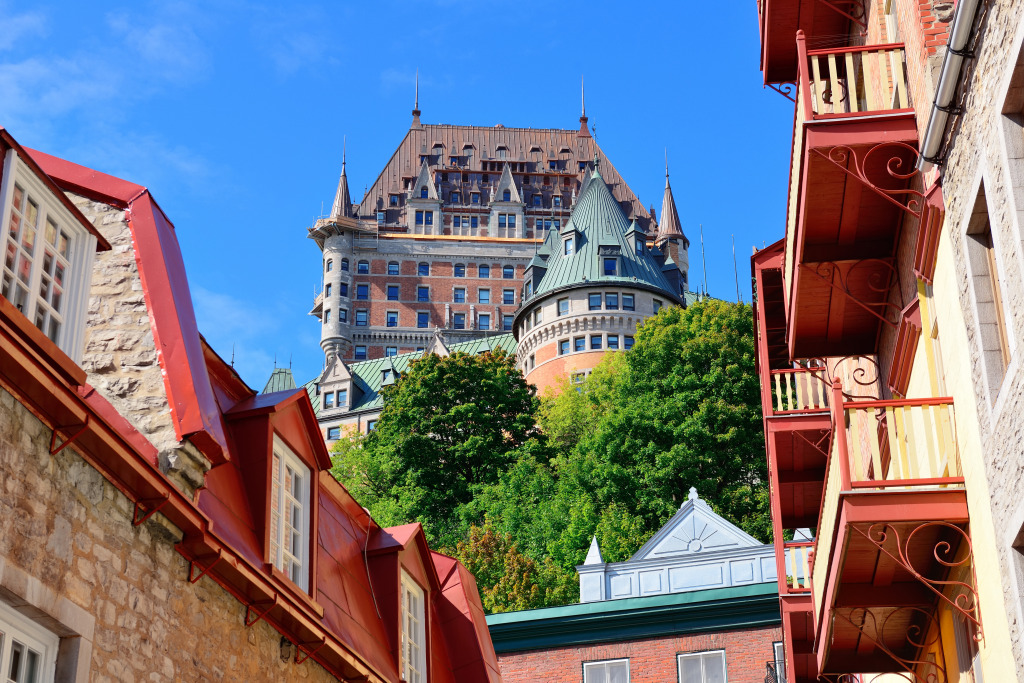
{"type": "Point", "coordinates": [416, 105]}
{"type": "Point", "coordinates": [594, 554]}
{"type": "Point", "coordinates": [584, 131]}
{"type": "Point", "coordinates": [342, 206]}
{"type": "Point", "coordinates": [668, 228]}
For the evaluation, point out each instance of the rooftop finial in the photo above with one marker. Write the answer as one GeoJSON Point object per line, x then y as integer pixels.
{"type": "Point", "coordinates": [344, 149]}
{"type": "Point", "coordinates": [693, 493]}
{"type": "Point", "coordinates": [583, 98]}
{"type": "Point", "coordinates": [416, 103]}
{"type": "Point", "coordinates": [666, 162]}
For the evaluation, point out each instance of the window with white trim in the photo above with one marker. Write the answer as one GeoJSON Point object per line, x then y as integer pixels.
{"type": "Point", "coordinates": [289, 515]}
{"type": "Point", "coordinates": [28, 652]}
{"type": "Point", "coordinates": [702, 667]}
{"type": "Point", "coordinates": [608, 671]}
{"type": "Point", "coordinates": [47, 260]}
{"type": "Point", "coordinates": [414, 650]}
{"type": "Point", "coordinates": [780, 661]}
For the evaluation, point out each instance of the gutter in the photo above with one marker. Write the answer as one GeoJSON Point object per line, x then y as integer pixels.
{"type": "Point", "coordinates": [949, 78]}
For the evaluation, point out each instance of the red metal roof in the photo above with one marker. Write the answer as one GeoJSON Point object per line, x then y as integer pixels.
{"type": "Point", "coordinates": [344, 622]}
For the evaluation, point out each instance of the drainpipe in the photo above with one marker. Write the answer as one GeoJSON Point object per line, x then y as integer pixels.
{"type": "Point", "coordinates": [952, 64]}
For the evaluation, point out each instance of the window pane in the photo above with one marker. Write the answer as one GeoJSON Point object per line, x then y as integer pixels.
{"type": "Point", "coordinates": [689, 669]}
{"type": "Point", "coordinates": [714, 667]}
{"type": "Point", "coordinates": [595, 302]}
{"type": "Point", "coordinates": [424, 269]}
{"type": "Point", "coordinates": [618, 672]}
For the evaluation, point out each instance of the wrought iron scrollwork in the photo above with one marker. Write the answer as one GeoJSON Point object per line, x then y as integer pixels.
{"type": "Point", "coordinates": [854, 10]}
{"type": "Point", "coordinates": [923, 632]}
{"type": "Point", "coordinates": [965, 598]}
{"type": "Point", "coordinates": [846, 159]}
{"type": "Point", "coordinates": [787, 90]}
{"type": "Point", "coordinates": [860, 375]}
{"type": "Point", "coordinates": [880, 280]}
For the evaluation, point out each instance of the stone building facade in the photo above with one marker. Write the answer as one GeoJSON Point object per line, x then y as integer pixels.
{"type": "Point", "coordinates": [159, 519]}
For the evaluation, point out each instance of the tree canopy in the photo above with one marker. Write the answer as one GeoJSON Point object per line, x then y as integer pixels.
{"type": "Point", "coordinates": [516, 487]}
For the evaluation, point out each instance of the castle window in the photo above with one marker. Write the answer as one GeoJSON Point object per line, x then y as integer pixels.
{"type": "Point", "coordinates": [360, 352]}
{"type": "Point", "coordinates": [329, 400]}
{"type": "Point", "coordinates": [483, 296]}
{"type": "Point", "coordinates": [459, 321]}
{"type": "Point", "coordinates": [363, 292]}
{"type": "Point", "coordinates": [506, 196]}
{"type": "Point", "coordinates": [485, 321]}
{"type": "Point", "coordinates": [393, 200]}
{"type": "Point", "coordinates": [528, 289]}
{"type": "Point", "coordinates": [392, 292]}
{"type": "Point", "coordinates": [456, 198]}
{"type": "Point", "coordinates": [327, 316]}
{"type": "Point", "coordinates": [329, 266]}
{"type": "Point", "coordinates": [657, 305]}
{"type": "Point", "coordinates": [422, 319]}
{"type": "Point", "coordinates": [342, 289]}
{"type": "Point", "coordinates": [613, 342]}
{"type": "Point", "coordinates": [508, 272]}
{"type": "Point", "coordinates": [627, 342]}
{"type": "Point", "coordinates": [459, 295]}
{"type": "Point", "coordinates": [393, 268]}
{"type": "Point", "coordinates": [414, 641]}
{"type": "Point", "coordinates": [371, 425]}
{"type": "Point", "coordinates": [506, 323]}
{"type": "Point", "coordinates": [419, 218]}
{"type": "Point", "coordinates": [552, 165]}
{"type": "Point", "coordinates": [327, 291]}
{"type": "Point", "coordinates": [502, 219]}
{"type": "Point", "coordinates": [474, 198]}
{"type": "Point", "coordinates": [611, 671]}
{"type": "Point", "coordinates": [511, 220]}
{"type": "Point", "coordinates": [333, 433]}
{"type": "Point", "coordinates": [363, 268]}
{"type": "Point", "coordinates": [343, 315]}
{"type": "Point", "coordinates": [428, 217]}
{"type": "Point", "coordinates": [563, 306]}
{"type": "Point", "coordinates": [611, 301]}
{"type": "Point", "coordinates": [538, 200]}
{"type": "Point", "coordinates": [423, 269]}
{"type": "Point", "coordinates": [537, 316]}
{"type": "Point", "coordinates": [627, 302]}
{"type": "Point", "coordinates": [361, 317]}
{"type": "Point", "coordinates": [27, 651]}
{"type": "Point", "coordinates": [639, 247]}
{"type": "Point", "coordinates": [423, 192]}
{"type": "Point", "coordinates": [595, 342]}
{"type": "Point", "coordinates": [390, 351]}
{"type": "Point", "coordinates": [423, 294]}
{"type": "Point", "coordinates": [508, 297]}
{"type": "Point", "coordinates": [343, 398]}
{"type": "Point", "coordinates": [474, 222]}
{"type": "Point", "coordinates": [344, 264]}
{"type": "Point", "coordinates": [556, 201]}
{"type": "Point", "coordinates": [483, 271]}
{"type": "Point", "coordinates": [579, 344]}
{"type": "Point", "coordinates": [567, 246]}
{"type": "Point", "coordinates": [595, 302]}
{"type": "Point", "coordinates": [392, 318]}
{"type": "Point", "coordinates": [611, 266]}
{"type": "Point", "coordinates": [563, 347]}
{"type": "Point", "coordinates": [459, 270]}
{"type": "Point", "coordinates": [456, 222]}
{"type": "Point", "coordinates": [289, 515]}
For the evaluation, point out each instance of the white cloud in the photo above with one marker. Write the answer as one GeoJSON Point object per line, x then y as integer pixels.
{"type": "Point", "coordinates": [19, 27]}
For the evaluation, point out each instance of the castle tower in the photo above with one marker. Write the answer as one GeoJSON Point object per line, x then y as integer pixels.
{"type": "Point", "coordinates": [588, 287]}
{"type": "Point", "coordinates": [670, 238]}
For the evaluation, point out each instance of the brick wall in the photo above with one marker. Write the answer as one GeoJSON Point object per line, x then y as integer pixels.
{"type": "Point", "coordinates": [117, 594]}
{"type": "Point", "coordinates": [651, 660]}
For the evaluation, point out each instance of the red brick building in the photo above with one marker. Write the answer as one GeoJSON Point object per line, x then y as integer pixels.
{"type": "Point", "coordinates": [159, 519]}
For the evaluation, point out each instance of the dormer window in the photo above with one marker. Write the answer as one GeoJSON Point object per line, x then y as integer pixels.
{"type": "Point", "coordinates": [556, 202]}
{"type": "Point", "coordinates": [456, 198]}
{"type": "Point", "coordinates": [568, 246]}
{"type": "Point", "coordinates": [506, 196]}
{"type": "Point", "coordinates": [611, 267]}
{"type": "Point", "coordinates": [474, 198]}
{"type": "Point", "coordinates": [393, 200]}
{"type": "Point", "coordinates": [538, 200]}
{"type": "Point", "coordinates": [289, 515]}
{"type": "Point", "coordinates": [413, 625]}
{"type": "Point", "coordinates": [47, 257]}
{"type": "Point", "coordinates": [423, 192]}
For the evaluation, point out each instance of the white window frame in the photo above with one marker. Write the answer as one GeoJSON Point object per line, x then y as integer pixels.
{"type": "Point", "coordinates": [81, 252]}
{"type": "Point", "coordinates": [285, 458]}
{"type": "Point", "coordinates": [587, 666]}
{"type": "Point", "coordinates": [779, 650]}
{"type": "Point", "coordinates": [14, 626]}
{"type": "Point", "coordinates": [413, 631]}
{"type": "Point", "coordinates": [701, 655]}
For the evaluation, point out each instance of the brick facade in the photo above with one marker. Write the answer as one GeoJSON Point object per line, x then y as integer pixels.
{"type": "Point", "coordinates": [651, 660]}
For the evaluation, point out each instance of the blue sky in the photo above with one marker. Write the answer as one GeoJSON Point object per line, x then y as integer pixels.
{"type": "Point", "coordinates": [233, 114]}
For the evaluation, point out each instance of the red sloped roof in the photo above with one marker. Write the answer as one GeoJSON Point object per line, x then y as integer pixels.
{"type": "Point", "coordinates": [462, 620]}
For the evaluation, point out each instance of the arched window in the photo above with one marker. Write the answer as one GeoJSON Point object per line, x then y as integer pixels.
{"type": "Point", "coordinates": [423, 269]}
{"type": "Point", "coordinates": [506, 196]}
{"type": "Point", "coordinates": [393, 268]}
{"type": "Point", "coordinates": [329, 265]}
{"type": "Point", "coordinates": [508, 272]}
{"type": "Point", "coordinates": [344, 264]}
{"type": "Point", "coordinates": [363, 267]}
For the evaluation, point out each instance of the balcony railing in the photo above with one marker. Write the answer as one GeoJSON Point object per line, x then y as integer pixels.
{"type": "Point", "coordinates": [798, 566]}
{"type": "Point", "coordinates": [852, 81]}
{"type": "Point", "coordinates": [799, 390]}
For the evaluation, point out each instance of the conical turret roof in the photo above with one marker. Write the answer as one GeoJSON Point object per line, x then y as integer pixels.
{"type": "Point", "coordinates": [600, 228]}
{"type": "Point", "coordinates": [669, 228]}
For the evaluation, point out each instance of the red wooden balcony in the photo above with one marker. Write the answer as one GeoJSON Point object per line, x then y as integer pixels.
{"type": "Point", "coordinates": [820, 20]}
{"type": "Point", "coordinates": [854, 150]}
{"type": "Point", "coordinates": [893, 542]}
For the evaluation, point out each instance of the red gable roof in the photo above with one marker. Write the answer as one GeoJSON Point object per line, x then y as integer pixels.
{"type": "Point", "coordinates": [344, 622]}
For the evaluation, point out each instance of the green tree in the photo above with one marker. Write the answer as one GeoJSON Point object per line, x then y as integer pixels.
{"type": "Point", "coordinates": [449, 427]}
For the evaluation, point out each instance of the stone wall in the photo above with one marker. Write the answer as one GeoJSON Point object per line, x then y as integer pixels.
{"type": "Point", "coordinates": [120, 353]}
{"type": "Point", "coordinates": [651, 660]}
{"type": "Point", "coordinates": [116, 594]}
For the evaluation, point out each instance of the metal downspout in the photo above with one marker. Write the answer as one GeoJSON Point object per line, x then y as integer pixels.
{"type": "Point", "coordinates": [949, 78]}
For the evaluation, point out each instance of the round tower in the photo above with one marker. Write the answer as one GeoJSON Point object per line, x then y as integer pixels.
{"type": "Point", "coordinates": [588, 288]}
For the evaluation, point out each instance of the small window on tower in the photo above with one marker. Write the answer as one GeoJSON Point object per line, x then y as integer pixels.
{"type": "Point", "coordinates": [344, 264]}
{"type": "Point", "coordinates": [506, 196]}
{"type": "Point", "coordinates": [423, 192]}
{"type": "Point", "coordinates": [611, 267]}
{"type": "Point", "coordinates": [329, 265]}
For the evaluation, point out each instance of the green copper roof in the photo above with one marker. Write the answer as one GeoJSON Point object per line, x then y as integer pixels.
{"type": "Point", "coordinates": [368, 375]}
{"type": "Point", "coordinates": [601, 229]}
{"type": "Point", "coordinates": [716, 609]}
{"type": "Point", "coordinates": [280, 380]}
